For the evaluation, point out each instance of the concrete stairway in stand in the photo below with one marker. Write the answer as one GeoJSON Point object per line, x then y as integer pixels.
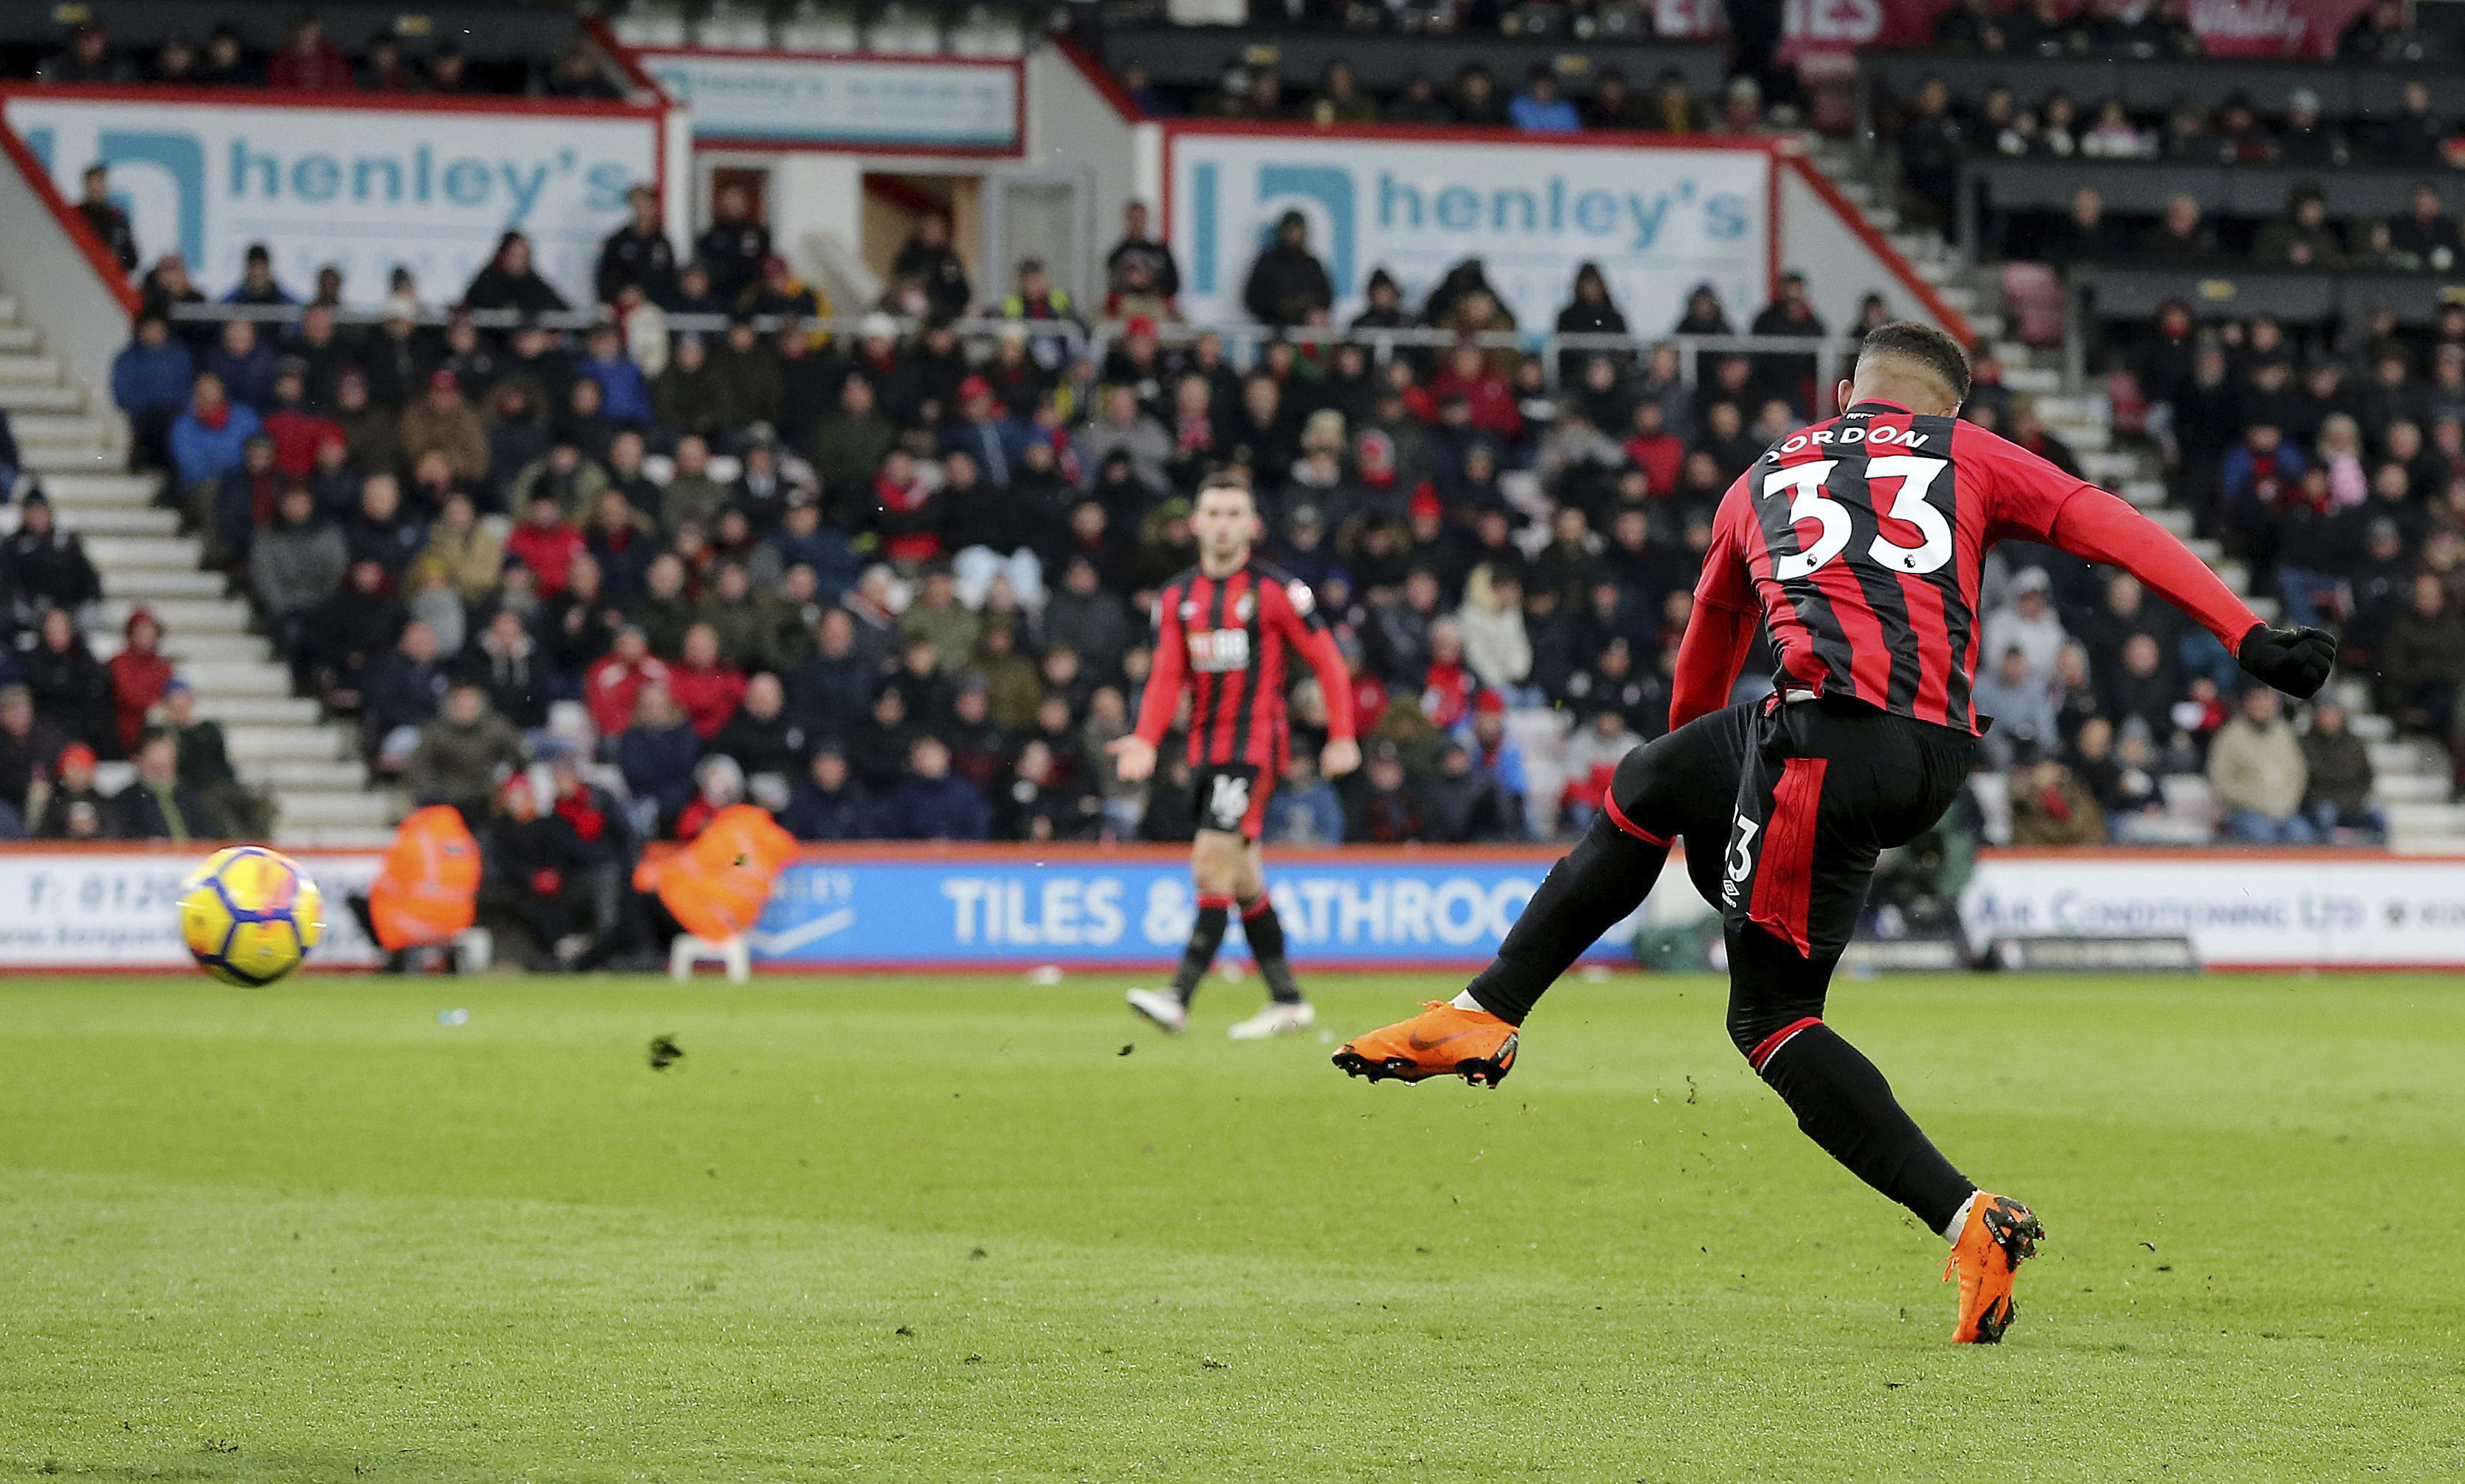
{"type": "Point", "coordinates": [76, 444]}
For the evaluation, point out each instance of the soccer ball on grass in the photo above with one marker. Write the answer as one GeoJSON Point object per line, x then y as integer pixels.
{"type": "Point", "coordinates": [250, 915]}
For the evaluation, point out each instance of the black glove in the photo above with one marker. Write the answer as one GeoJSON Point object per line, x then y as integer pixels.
{"type": "Point", "coordinates": [2295, 660]}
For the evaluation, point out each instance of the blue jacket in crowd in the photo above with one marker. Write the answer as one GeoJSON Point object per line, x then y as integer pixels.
{"type": "Point", "coordinates": [938, 809]}
{"type": "Point", "coordinates": [625, 393]}
{"type": "Point", "coordinates": [201, 454]}
{"type": "Point", "coordinates": [658, 763]}
{"type": "Point", "coordinates": [845, 814]}
{"type": "Point", "coordinates": [145, 381]}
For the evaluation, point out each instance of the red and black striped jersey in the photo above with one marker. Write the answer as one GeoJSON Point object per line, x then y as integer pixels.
{"type": "Point", "coordinates": [1230, 639]}
{"type": "Point", "coordinates": [1860, 540]}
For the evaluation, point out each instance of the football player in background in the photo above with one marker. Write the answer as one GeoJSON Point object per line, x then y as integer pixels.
{"type": "Point", "coordinates": [1226, 631]}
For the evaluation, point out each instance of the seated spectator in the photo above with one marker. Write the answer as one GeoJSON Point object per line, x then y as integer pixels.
{"type": "Point", "coordinates": [2023, 710]}
{"type": "Point", "coordinates": [205, 767]}
{"type": "Point", "coordinates": [443, 422]}
{"type": "Point", "coordinates": [139, 674]}
{"type": "Point", "coordinates": [2087, 236]}
{"type": "Point", "coordinates": [833, 685]}
{"type": "Point", "coordinates": [309, 61]}
{"type": "Point", "coordinates": [2307, 141]}
{"type": "Point", "coordinates": [351, 632]}
{"type": "Point", "coordinates": [1305, 808]}
{"type": "Point", "coordinates": [207, 439]}
{"type": "Point", "coordinates": [1475, 100]}
{"type": "Point", "coordinates": [1539, 109]}
{"type": "Point", "coordinates": [1339, 99]}
{"type": "Point", "coordinates": [156, 805]}
{"type": "Point", "coordinates": [1461, 805]}
{"type": "Point", "coordinates": [828, 804]}
{"type": "Point", "coordinates": [511, 281]}
{"type": "Point", "coordinates": [74, 809]}
{"type": "Point", "coordinates": [506, 662]}
{"type": "Point", "coordinates": [71, 687]}
{"type": "Point", "coordinates": [2338, 778]}
{"type": "Point", "coordinates": [691, 395]}
{"type": "Point", "coordinates": [29, 749]}
{"type": "Point", "coordinates": [1040, 804]}
{"type": "Point", "coordinates": [244, 502]}
{"type": "Point", "coordinates": [545, 542]}
{"type": "Point", "coordinates": [88, 58]}
{"type": "Point", "coordinates": [150, 385]}
{"type": "Point", "coordinates": [467, 551]}
{"type": "Point", "coordinates": [2051, 807]}
{"type": "Point", "coordinates": [706, 688]}
{"type": "Point", "coordinates": [2422, 662]}
{"type": "Point", "coordinates": [2384, 32]}
{"type": "Point", "coordinates": [256, 286]}
{"type": "Point", "coordinates": [718, 784]}
{"type": "Point", "coordinates": [2028, 624]}
{"type": "Point", "coordinates": [763, 738]}
{"type": "Point", "coordinates": [1383, 810]}
{"type": "Point", "coordinates": [624, 391]}
{"type": "Point", "coordinates": [402, 694]}
{"type": "Point", "coordinates": [381, 530]}
{"type": "Point", "coordinates": [2256, 769]}
{"type": "Point", "coordinates": [294, 565]}
{"type": "Point", "coordinates": [877, 743]}
{"type": "Point", "coordinates": [932, 803]}
{"type": "Point", "coordinates": [43, 566]}
{"type": "Point", "coordinates": [2300, 239]}
{"type": "Point", "coordinates": [383, 68]}
{"type": "Point", "coordinates": [463, 752]}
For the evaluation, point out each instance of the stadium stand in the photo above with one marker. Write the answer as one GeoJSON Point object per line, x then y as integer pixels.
{"type": "Point", "coordinates": [683, 524]}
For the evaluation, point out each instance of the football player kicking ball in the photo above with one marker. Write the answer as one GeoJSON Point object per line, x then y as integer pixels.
{"type": "Point", "coordinates": [1226, 627]}
{"type": "Point", "coordinates": [1857, 542]}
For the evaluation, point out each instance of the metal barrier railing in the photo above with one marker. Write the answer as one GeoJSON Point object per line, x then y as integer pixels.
{"type": "Point", "coordinates": [1243, 340]}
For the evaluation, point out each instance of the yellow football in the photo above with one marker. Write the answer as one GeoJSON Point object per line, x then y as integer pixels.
{"type": "Point", "coordinates": [250, 915]}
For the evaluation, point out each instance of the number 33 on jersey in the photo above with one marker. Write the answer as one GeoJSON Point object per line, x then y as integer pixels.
{"type": "Point", "coordinates": [1859, 539]}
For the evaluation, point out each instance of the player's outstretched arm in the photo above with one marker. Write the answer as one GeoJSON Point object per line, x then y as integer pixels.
{"type": "Point", "coordinates": [2102, 527]}
{"type": "Point", "coordinates": [1709, 658]}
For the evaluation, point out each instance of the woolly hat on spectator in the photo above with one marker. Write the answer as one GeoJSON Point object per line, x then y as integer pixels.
{"type": "Point", "coordinates": [443, 380]}
{"type": "Point", "coordinates": [76, 755]}
{"type": "Point", "coordinates": [877, 327]}
{"type": "Point", "coordinates": [1424, 503]}
{"type": "Point", "coordinates": [2030, 579]}
{"type": "Point", "coordinates": [974, 387]}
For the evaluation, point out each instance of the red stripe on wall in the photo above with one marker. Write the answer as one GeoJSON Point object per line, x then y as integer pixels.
{"type": "Point", "coordinates": [1785, 871]}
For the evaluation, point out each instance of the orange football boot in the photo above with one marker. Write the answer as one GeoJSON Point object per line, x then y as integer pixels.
{"type": "Point", "coordinates": [1474, 1044]}
{"type": "Point", "coordinates": [1999, 1235]}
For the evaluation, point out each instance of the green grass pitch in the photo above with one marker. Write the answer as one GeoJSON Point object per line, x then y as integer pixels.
{"type": "Point", "coordinates": [936, 1229]}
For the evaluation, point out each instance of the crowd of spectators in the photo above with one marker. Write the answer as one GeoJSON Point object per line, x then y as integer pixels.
{"type": "Point", "coordinates": [1544, 100]}
{"type": "Point", "coordinates": [394, 59]}
{"type": "Point", "coordinates": [2424, 238]}
{"type": "Point", "coordinates": [900, 578]}
{"type": "Point", "coordinates": [2328, 459]}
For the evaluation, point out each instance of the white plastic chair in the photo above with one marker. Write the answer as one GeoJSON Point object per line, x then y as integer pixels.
{"type": "Point", "coordinates": [733, 954]}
